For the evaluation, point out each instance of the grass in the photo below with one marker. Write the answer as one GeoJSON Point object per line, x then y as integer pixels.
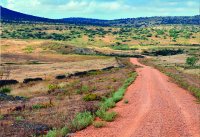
{"type": "Point", "coordinates": [28, 49]}
{"type": "Point", "coordinates": [90, 97]}
{"type": "Point", "coordinates": [99, 124]}
{"type": "Point", "coordinates": [1, 117]}
{"type": "Point", "coordinates": [107, 116]}
{"type": "Point", "coordinates": [5, 90]}
{"type": "Point", "coordinates": [58, 132]}
{"type": "Point", "coordinates": [19, 118]}
{"type": "Point", "coordinates": [81, 121]}
{"type": "Point", "coordinates": [39, 106]}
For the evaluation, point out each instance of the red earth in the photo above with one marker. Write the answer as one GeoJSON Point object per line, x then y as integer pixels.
{"type": "Point", "coordinates": [156, 108]}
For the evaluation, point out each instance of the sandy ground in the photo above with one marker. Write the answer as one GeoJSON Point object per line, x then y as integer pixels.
{"type": "Point", "coordinates": [156, 108]}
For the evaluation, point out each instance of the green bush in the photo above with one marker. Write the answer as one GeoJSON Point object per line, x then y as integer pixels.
{"type": "Point", "coordinates": [110, 116]}
{"type": "Point", "coordinates": [85, 89]}
{"type": "Point", "coordinates": [191, 60]}
{"type": "Point", "coordinates": [81, 121]}
{"type": "Point", "coordinates": [38, 106]}
{"type": "Point", "coordinates": [19, 118]}
{"type": "Point", "coordinates": [1, 117]}
{"type": "Point", "coordinates": [58, 132]}
{"type": "Point", "coordinates": [108, 103]}
{"type": "Point", "coordinates": [5, 90]}
{"type": "Point", "coordinates": [52, 87]}
{"type": "Point", "coordinates": [52, 133]}
{"type": "Point", "coordinates": [107, 116]}
{"type": "Point", "coordinates": [90, 97]}
{"type": "Point", "coordinates": [99, 124]}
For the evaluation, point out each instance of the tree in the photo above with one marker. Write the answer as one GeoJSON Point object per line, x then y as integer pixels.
{"type": "Point", "coordinates": [191, 60]}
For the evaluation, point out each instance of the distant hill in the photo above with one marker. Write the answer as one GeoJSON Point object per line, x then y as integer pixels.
{"type": "Point", "coordinates": [13, 16]}
{"type": "Point", "coordinates": [9, 15]}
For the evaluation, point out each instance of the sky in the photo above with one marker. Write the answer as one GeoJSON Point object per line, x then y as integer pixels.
{"type": "Point", "coordinates": [104, 9]}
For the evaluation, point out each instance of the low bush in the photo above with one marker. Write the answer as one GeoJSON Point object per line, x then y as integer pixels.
{"type": "Point", "coordinates": [1, 117]}
{"type": "Point", "coordinates": [90, 97]}
{"type": "Point", "coordinates": [52, 87]}
{"type": "Point", "coordinates": [107, 116]}
{"type": "Point", "coordinates": [81, 121]}
{"type": "Point", "coordinates": [5, 90]}
{"type": "Point", "coordinates": [40, 106]}
{"type": "Point", "coordinates": [19, 118]}
{"type": "Point", "coordinates": [192, 60]}
{"type": "Point", "coordinates": [58, 132]}
{"type": "Point", "coordinates": [99, 124]}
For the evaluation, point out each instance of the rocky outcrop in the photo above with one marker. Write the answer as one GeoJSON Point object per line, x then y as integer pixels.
{"type": "Point", "coordinates": [27, 80]}
{"type": "Point", "coordinates": [8, 82]}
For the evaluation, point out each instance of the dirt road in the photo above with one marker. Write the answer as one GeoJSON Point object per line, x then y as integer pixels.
{"type": "Point", "coordinates": [156, 108]}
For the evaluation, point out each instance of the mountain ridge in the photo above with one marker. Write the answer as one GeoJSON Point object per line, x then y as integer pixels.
{"type": "Point", "coordinates": [8, 15]}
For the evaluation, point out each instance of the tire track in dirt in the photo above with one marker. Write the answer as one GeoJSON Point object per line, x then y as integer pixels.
{"type": "Point", "coordinates": [156, 108]}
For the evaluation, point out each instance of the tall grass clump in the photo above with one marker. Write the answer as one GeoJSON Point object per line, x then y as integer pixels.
{"type": "Point", "coordinates": [81, 121]}
{"type": "Point", "coordinates": [5, 90]}
{"type": "Point", "coordinates": [58, 132]}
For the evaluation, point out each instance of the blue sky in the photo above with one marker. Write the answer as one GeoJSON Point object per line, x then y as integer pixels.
{"type": "Point", "coordinates": [104, 9]}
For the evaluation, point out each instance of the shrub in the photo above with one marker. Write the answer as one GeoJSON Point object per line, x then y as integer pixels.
{"type": "Point", "coordinates": [108, 103]}
{"type": "Point", "coordinates": [58, 132]}
{"type": "Point", "coordinates": [191, 61]}
{"type": "Point", "coordinates": [19, 118]}
{"type": "Point", "coordinates": [52, 87]}
{"type": "Point", "coordinates": [52, 133]}
{"type": "Point", "coordinates": [99, 124]}
{"type": "Point", "coordinates": [107, 116]}
{"type": "Point", "coordinates": [85, 89]}
{"type": "Point", "coordinates": [90, 97]}
{"type": "Point", "coordinates": [81, 121]}
{"type": "Point", "coordinates": [1, 117]}
{"type": "Point", "coordinates": [28, 49]}
{"type": "Point", "coordinates": [5, 90]}
{"type": "Point", "coordinates": [39, 106]}
{"type": "Point", "coordinates": [110, 116]}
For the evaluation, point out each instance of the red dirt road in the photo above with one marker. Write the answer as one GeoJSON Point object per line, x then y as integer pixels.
{"type": "Point", "coordinates": [156, 108]}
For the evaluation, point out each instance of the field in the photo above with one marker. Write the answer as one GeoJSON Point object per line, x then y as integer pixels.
{"type": "Point", "coordinates": [79, 67]}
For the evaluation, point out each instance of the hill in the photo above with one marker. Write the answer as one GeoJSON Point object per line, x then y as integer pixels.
{"type": "Point", "coordinates": [13, 16]}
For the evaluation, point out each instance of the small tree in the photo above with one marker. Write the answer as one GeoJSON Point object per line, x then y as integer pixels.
{"type": "Point", "coordinates": [191, 60]}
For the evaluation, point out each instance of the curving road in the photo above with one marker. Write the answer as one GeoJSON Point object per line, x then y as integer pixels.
{"type": "Point", "coordinates": [156, 108]}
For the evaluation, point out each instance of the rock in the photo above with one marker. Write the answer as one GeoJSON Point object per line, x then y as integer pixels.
{"type": "Point", "coordinates": [27, 80]}
{"type": "Point", "coordinates": [5, 97]}
{"type": "Point", "coordinates": [60, 76]}
{"type": "Point", "coordinates": [8, 82]}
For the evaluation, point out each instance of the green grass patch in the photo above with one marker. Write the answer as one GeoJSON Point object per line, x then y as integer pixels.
{"type": "Point", "coordinates": [5, 90]}
{"type": "Point", "coordinates": [81, 121]}
{"type": "Point", "coordinates": [58, 132]}
{"type": "Point", "coordinates": [99, 124]}
{"type": "Point", "coordinates": [90, 97]}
